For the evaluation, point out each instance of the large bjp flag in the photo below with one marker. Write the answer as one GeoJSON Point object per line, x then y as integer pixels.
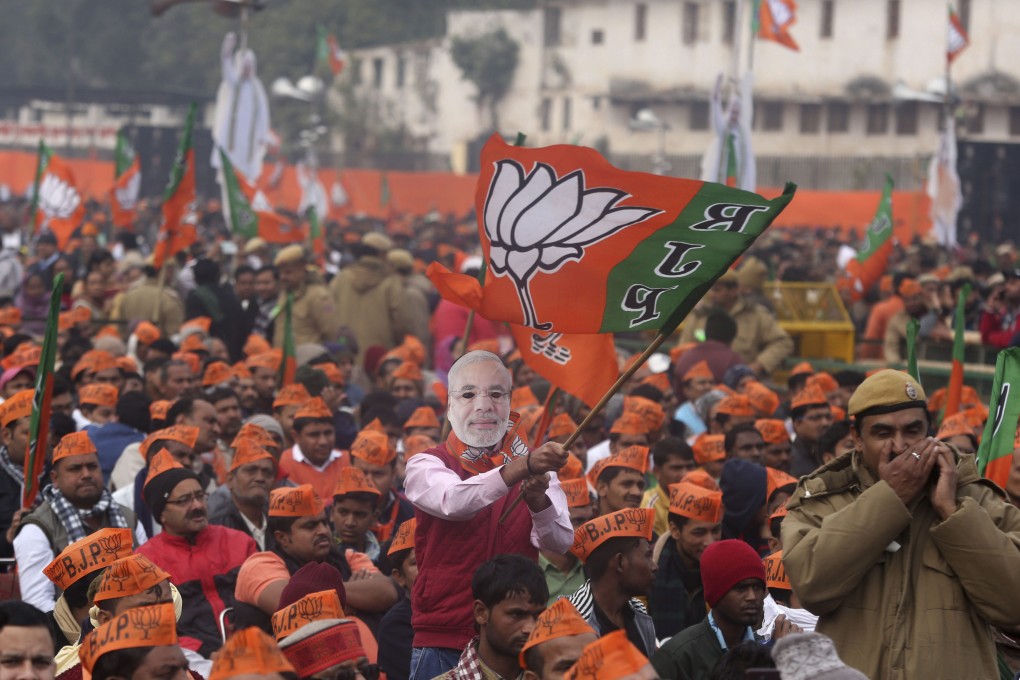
{"type": "Point", "coordinates": [1000, 438]}
{"type": "Point", "coordinates": [575, 245]}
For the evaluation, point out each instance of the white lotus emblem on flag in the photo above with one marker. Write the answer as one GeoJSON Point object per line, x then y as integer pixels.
{"type": "Point", "coordinates": [127, 195]}
{"type": "Point", "coordinates": [536, 223]}
{"type": "Point", "coordinates": [57, 198]}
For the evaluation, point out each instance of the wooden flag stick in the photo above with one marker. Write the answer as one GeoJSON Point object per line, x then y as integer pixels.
{"type": "Point", "coordinates": [620, 382]}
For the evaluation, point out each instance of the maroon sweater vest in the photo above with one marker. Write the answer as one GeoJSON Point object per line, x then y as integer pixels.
{"type": "Point", "coordinates": [448, 553]}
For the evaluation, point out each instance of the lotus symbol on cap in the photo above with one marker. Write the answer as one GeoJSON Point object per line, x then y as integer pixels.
{"type": "Point", "coordinates": [537, 222]}
{"type": "Point", "coordinates": [57, 198]}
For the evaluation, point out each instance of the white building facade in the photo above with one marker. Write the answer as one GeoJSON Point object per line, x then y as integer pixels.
{"type": "Point", "coordinates": [861, 97]}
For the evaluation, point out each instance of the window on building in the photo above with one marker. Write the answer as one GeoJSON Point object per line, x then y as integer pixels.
{"type": "Point", "coordinates": [598, 36]}
{"type": "Point", "coordinates": [698, 116]}
{"type": "Point", "coordinates": [640, 21]}
{"type": "Point", "coordinates": [356, 68]}
{"type": "Point", "coordinates": [596, 103]}
{"type": "Point", "coordinates": [377, 71]}
{"type": "Point", "coordinates": [545, 114]}
{"type": "Point", "coordinates": [692, 14]}
{"type": "Point", "coordinates": [401, 70]}
{"type": "Point", "coordinates": [906, 118]}
{"type": "Point", "coordinates": [553, 26]}
{"type": "Point", "coordinates": [772, 116]}
{"type": "Point", "coordinates": [568, 112]}
{"type": "Point", "coordinates": [1014, 121]}
{"type": "Point", "coordinates": [828, 14]}
{"type": "Point", "coordinates": [963, 11]}
{"type": "Point", "coordinates": [892, 19]}
{"type": "Point", "coordinates": [878, 119]}
{"type": "Point", "coordinates": [975, 119]}
{"type": "Point", "coordinates": [837, 117]}
{"type": "Point", "coordinates": [729, 30]}
{"type": "Point", "coordinates": [810, 119]}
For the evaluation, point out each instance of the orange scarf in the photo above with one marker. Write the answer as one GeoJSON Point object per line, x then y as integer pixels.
{"type": "Point", "coordinates": [477, 461]}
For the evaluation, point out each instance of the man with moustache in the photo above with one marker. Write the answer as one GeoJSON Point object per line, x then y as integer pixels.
{"type": "Point", "coordinates": [460, 489]}
{"type": "Point", "coordinates": [76, 504]}
{"type": "Point", "coordinates": [202, 559]}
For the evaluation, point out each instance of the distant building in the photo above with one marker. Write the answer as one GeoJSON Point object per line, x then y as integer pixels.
{"type": "Point", "coordinates": [848, 107]}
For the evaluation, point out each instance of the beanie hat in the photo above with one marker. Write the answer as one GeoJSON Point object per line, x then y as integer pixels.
{"type": "Point", "coordinates": [726, 563]}
{"type": "Point", "coordinates": [314, 577]}
{"type": "Point", "coordinates": [810, 656]}
{"type": "Point", "coordinates": [158, 489]}
{"type": "Point", "coordinates": [745, 488]}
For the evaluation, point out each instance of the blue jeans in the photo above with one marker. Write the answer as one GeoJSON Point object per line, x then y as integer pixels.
{"type": "Point", "coordinates": [431, 662]}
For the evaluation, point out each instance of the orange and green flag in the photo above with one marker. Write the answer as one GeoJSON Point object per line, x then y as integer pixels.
{"type": "Point", "coordinates": [328, 52]}
{"type": "Point", "coordinates": [177, 226]}
{"type": "Point", "coordinates": [575, 245]}
{"type": "Point", "coordinates": [127, 182]}
{"type": "Point", "coordinates": [288, 367]}
{"type": "Point", "coordinates": [57, 204]}
{"type": "Point", "coordinates": [865, 270]}
{"type": "Point", "coordinates": [248, 212]}
{"type": "Point", "coordinates": [995, 454]}
{"type": "Point", "coordinates": [957, 39]}
{"type": "Point", "coordinates": [954, 392]}
{"type": "Point", "coordinates": [39, 425]}
{"type": "Point", "coordinates": [315, 236]}
{"type": "Point", "coordinates": [772, 20]}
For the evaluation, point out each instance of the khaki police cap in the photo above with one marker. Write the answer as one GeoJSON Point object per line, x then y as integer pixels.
{"type": "Point", "coordinates": [886, 391]}
{"type": "Point", "coordinates": [290, 255]}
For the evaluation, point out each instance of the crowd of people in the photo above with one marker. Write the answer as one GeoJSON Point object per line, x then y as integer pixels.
{"type": "Point", "coordinates": [403, 506]}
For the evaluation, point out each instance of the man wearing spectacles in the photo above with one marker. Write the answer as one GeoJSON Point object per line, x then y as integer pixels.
{"type": "Point", "coordinates": [202, 559]}
{"type": "Point", "coordinates": [460, 489]}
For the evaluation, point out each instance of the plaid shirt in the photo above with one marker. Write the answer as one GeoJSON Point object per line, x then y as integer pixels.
{"type": "Point", "coordinates": [471, 667]}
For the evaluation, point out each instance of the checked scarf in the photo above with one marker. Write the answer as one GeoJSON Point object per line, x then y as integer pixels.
{"type": "Point", "coordinates": [477, 461]}
{"type": "Point", "coordinates": [73, 519]}
{"type": "Point", "coordinates": [17, 473]}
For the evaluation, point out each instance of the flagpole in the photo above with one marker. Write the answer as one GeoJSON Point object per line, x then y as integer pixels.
{"type": "Point", "coordinates": [597, 408]}
{"type": "Point", "coordinates": [547, 409]}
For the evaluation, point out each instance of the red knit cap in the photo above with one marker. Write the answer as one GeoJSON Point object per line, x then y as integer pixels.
{"type": "Point", "coordinates": [724, 564]}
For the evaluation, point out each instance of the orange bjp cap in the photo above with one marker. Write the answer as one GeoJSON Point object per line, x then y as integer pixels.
{"type": "Point", "coordinates": [695, 502]}
{"type": "Point", "coordinates": [373, 448]}
{"type": "Point", "coordinates": [318, 606]}
{"type": "Point", "coordinates": [295, 501]}
{"type": "Point", "coordinates": [98, 394]}
{"type": "Point", "coordinates": [699, 370]}
{"type": "Point", "coordinates": [294, 394]}
{"type": "Point", "coordinates": [611, 656]}
{"type": "Point", "coordinates": [92, 553]}
{"type": "Point", "coordinates": [423, 416]}
{"type": "Point", "coordinates": [353, 480]}
{"type": "Point", "coordinates": [249, 652]}
{"type": "Point", "coordinates": [129, 575]}
{"type": "Point", "coordinates": [403, 539]}
{"type": "Point", "coordinates": [775, 572]}
{"type": "Point", "coordinates": [73, 444]}
{"type": "Point", "coordinates": [709, 448]}
{"type": "Point", "coordinates": [561, 619]}
{"type": "Point", "coordinates": [217, 372]}
{"type": "Point", "coordinates": [149, 626]}
{"type": "Point", "coordinates": [772, 430]}
{"type": "Point", "coordinates": [635, 522]}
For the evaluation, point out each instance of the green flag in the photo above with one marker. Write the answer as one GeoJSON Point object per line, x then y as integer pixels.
{"type": "Point", "coordinates": [913, 325]}
{"type": "Point", "coordinates": [240, 216]}
{"type": "Point", "coordinates": [995, 455]}
{"type": "Point", "coordinates": [39, 426]}
{"type": "Point", "coordinates": [40, 167]}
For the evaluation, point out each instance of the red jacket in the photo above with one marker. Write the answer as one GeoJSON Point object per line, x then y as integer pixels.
{"type": "Point", "coordinates": [205, 574]}
{"type": "Point", "coordinates": [448, 553]}
{"type": "Point", "coordinates": [998, 330]}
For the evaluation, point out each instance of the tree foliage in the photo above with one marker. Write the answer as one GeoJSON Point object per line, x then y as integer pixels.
{"type": "Point", "coordinates": [488, 61]}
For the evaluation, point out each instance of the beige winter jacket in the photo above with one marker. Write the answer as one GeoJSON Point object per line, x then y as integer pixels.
{"type": "Point", "coordinates": [903, 594]}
